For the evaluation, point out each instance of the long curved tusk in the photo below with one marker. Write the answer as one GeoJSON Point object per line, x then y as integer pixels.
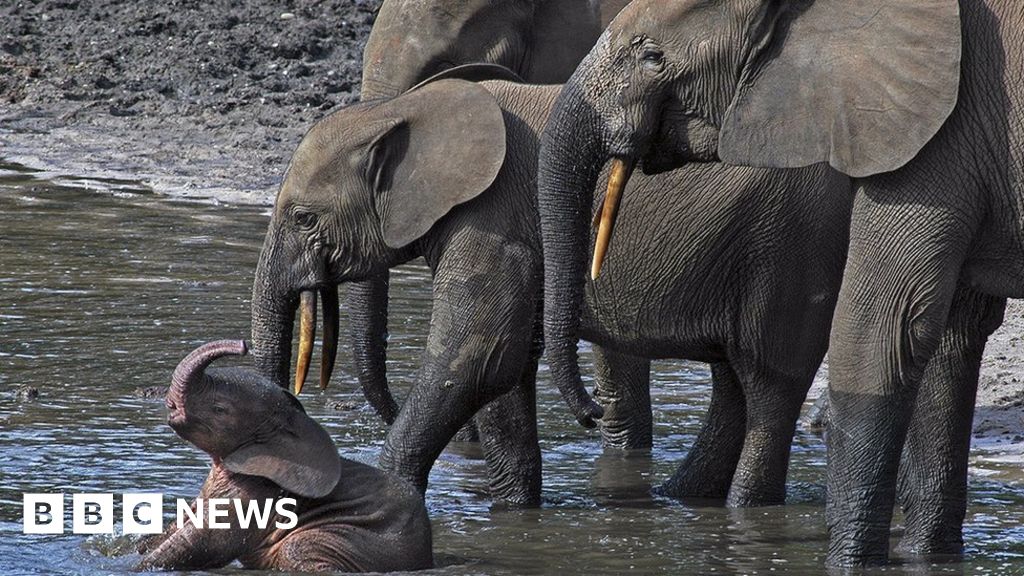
{"type": "Point", "coordinates": [620, 173]}
{"type": "Point", "coordinates": [329, 302]}
{"type": "Point", "coordinates": [307, 332]}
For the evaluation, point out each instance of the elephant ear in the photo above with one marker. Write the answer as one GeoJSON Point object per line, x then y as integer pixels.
{"type": "Point", "coordinates": [861, 85]}
{"type": "Point", "coordinates": [436, 148]}
{"type": "Point", "coordinates": [300, 457]}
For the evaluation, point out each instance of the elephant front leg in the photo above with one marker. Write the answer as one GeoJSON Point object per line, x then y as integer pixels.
{"type": "Point", "coordinates": [708, 468]}
{"type": "Point", "coordinates": [508, 433]}
{"type": "Point", "coordinates": [477, 349]}
{"type": "Point", "coordinates": [438, 406]}
{"type": "Point", "coordinates": [933, 471]}
{"type": "Point", "coordinates": [901, 274]}
{"type": "Point", "coordinates": [624, 391]}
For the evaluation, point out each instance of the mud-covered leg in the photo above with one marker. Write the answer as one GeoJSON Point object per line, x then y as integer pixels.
{"type": "Point", "coordinates": [624, 390]}
{"type": "Point", "coordinates": [773, 407]}
{"type": "Point", "coordinates": [508, 435]}
{"type": "Point", "coordinates": [933, 471]}
{"type": "Point", "coordinates": [708, 468]}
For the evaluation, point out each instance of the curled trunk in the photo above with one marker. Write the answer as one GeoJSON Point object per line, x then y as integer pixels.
{"type": "Point", "coordinates": [571, 157]}
{"type": "Point", "coordinates": [190, 370]}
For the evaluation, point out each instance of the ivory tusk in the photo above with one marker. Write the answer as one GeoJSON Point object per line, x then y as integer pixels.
{"type": "Point", "coordinates": [307, 332]}
{"type": "Point", "coordinates": [621, 170]}
{"type": "Point", "coordinates": [329, 302]}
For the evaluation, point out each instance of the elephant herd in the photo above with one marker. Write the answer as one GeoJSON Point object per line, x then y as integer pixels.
{"type": "Point", "coordinates": [762, 181]}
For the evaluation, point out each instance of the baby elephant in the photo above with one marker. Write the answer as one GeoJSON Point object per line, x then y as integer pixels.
{"type": "Point", "coordinates": [346, 516]}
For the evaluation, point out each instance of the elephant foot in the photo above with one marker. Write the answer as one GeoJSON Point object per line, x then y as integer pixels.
{"type": "Point", "coordinates": [941, 541]}
{"type": "Point", "coordinates": [618, 436]}
{"type": "Point", "coordinates": [741, 496]}
{"type": "Point", "coordinates": [519, 491]}
{"type": "Point", "coordinates": [858, 545]}
{"type": "Point", "coordinates": [686, 484]}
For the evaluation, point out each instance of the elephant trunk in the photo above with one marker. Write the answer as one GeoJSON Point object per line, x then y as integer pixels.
{"type": "Point", "coordinates": [368, 313]}
{"type": "Point", "coordinates": [572, 155]}
{"type": "Point", "coordinates": [273, 316]}
{"type": "Point", "coordinates": [367, 300]}
{"type": "Point", "coordinates": [190, 370]}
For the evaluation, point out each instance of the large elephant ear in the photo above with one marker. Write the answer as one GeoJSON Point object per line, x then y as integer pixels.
{"type": "Point", "coordinates": [300, 457]}
{"type": "Point", "coordinates": [861, 85]}
{"type": "Point", "coordinates": [436, 147]}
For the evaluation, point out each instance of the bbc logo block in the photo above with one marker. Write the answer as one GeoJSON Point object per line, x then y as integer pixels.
{"type": "Point", "coordinates": [92, 513]}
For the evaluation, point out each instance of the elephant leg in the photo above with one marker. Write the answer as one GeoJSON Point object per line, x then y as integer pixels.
{"type": "Point", "coordinates": [708, 468]}
{"type": "Point", "coordinates": [442, 402]}
{"type": "Point", "coordinates": [508, 435]}
{"type": "Point", "coordinates": [624, 391]}
{"type": "Point", "coordinates": [481, 333]}
{"type": "Point", "coordinates": [901, 273]}
{"type": "Point", "coordinates": [773, 407]}
{"type": "Point", "coordinates": [933, 472]}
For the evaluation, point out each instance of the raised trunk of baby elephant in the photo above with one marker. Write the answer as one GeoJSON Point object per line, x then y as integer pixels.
{"type": "Point", "coordinates": [273, 316]}
{"type": "Point", "coordinates": [190, 370]}
{"type": "Point", "coordinates": [571, 158]}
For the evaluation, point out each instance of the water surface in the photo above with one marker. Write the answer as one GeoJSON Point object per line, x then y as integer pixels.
{"type": "Point", "coordinates": [104, 286]}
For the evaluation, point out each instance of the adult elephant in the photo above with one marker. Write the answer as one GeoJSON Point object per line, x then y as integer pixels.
{"type": "Point", "coordinates": [918, 102]}
{"type": "Point", "coordinates": [383, 182]}
{"type": "Point", "coordinates": [540, 40]}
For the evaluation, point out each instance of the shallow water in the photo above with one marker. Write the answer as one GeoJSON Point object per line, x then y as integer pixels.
{"type": "Point", "coordinates": [104, 286]}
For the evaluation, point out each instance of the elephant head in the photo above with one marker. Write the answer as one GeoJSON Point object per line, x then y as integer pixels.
{"type": "Point", "coordinates": [770, 83]}
{"type": "Point", "coordinates": [542, 40]}
{"type": "Point", "coordinates": [250, 425]}
{"type": "Point", "coordinates": [363, 186]}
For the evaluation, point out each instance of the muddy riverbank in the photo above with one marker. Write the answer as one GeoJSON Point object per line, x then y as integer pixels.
{"type": "Point", "coordinates": [194, 98]}
{"type": "Point", "coordinates": [208, 99]}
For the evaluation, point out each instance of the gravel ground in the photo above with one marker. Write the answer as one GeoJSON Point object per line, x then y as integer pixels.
{"type": "Point", "coordinates": [209, 99]}
{"type": "Point", "coordinates": [194, 98]}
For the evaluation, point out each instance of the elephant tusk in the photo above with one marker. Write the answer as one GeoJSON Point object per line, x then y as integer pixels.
{"type": "Point", "coordinates": [597, 215]}
{"type": "Point", "coordinates": [329, 302]}
{"type": "Point", "coordinates": [307, 331]}
{"type": "Point", "coordinates": [621, 170]}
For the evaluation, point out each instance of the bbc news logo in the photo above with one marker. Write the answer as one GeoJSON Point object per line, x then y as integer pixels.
{"type": "Point", "coordinates": [144, 513]}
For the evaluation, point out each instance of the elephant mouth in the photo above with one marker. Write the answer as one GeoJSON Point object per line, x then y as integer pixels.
{"type": "Point", "coordinates": [307, 334]}
{"type": "Point", "coordinates": [604, 219]}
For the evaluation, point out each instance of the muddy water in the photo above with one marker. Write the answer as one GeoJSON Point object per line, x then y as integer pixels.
{"type": "Point", "coordinates": [104, 286]}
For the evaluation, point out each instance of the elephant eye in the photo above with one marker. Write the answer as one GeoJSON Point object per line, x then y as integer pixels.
{"type": "Point", "coordinates": [305, 219]}
{"type": "Point", "coordinates": [219, 410]}
{"type": "Point", "coordinates": [652, 57]}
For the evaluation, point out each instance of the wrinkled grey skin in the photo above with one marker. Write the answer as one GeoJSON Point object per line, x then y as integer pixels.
{"type": "Point", "coordinates": [381, 183]}
{"type": "Point", "coordinates": [934, 136]}
{"type": "Point", "coordinates": [351, 517]}
{"type": "Point", "coordinates": [487, 280]}
{"type": "Point", "coordinates": [540, 40]}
